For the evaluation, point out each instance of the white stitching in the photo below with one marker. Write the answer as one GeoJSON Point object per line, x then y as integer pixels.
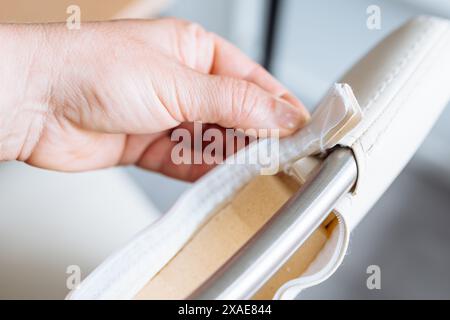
{"type": "Point", "coordinates": [401, 103]}
{"type": "Point", "coordinates": [394, 74]}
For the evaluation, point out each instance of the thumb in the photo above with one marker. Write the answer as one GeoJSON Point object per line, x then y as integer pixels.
{"type": "Point", "coordinates": [235, 103]}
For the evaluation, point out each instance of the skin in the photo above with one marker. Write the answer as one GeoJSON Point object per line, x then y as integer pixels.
{"type": "Point", "coordinates": [111, 93]}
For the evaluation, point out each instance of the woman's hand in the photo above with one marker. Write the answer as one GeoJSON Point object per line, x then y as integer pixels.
{"type": "Point", "coordinates": [110, 93]}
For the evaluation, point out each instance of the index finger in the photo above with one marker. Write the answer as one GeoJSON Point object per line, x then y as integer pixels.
{"type": "Point", "coordinates": [229, 61]}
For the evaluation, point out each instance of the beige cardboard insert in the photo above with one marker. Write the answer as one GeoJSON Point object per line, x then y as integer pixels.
{"type": "Point", "coordinates": [220, 238]}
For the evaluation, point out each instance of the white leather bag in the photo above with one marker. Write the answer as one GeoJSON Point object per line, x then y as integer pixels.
{"type": "Point", "coordinates": [401, 87]}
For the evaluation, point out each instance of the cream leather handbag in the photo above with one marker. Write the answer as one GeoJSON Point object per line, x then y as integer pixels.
{"type": "Point", "coordinates": [241, 235]}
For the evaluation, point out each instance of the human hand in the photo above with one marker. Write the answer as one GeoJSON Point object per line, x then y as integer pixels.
{"type": "Point", "coordinates": [111, 93]}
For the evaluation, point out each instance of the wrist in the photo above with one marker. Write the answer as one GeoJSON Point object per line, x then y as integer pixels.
{"type": "Point", "coordinates": [24, 90]}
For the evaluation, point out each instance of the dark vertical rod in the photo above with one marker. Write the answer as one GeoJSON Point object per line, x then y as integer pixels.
{"type": "Point", "coordinates": [272, 22]}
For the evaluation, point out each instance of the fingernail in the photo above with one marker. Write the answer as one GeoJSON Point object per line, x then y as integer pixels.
{"type": "Point", "coordinates": [290, 98]}
{"type": "Point", "coordinates": [290, 117]}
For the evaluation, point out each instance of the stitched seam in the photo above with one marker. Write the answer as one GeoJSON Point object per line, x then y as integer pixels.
{"type": "Point", "coordinates": [401, 103]}
{"type": "Point", "coordinates": [395, 73]}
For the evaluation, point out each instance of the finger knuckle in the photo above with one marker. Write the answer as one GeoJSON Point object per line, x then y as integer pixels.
{"type": "Point", "coordinates": [245, 99]}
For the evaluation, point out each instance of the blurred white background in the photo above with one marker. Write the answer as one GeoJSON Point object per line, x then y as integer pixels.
{"type": "Point", "coordinates": [50, 220]}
